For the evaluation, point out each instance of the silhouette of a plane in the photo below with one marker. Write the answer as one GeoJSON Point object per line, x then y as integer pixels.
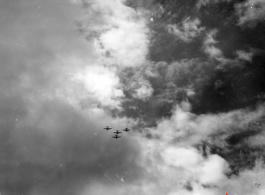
{"type": "Point", "coordinates": [107, 128]}
{"type": "Point", "coordinates": [116, 136]}
{"type": "Point", "coordinates": [126, 129]}
{"type": "Point", "coordinates": [117, 132]}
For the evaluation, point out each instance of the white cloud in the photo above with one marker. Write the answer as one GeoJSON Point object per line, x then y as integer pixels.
{"type": "Point", "coordinates": [201, 3]}
{"type": "Point", "coordinates": [188, 29]}
{"type": "Point", "coordinates": [181, 170]}
{"type": "Point", "coordinates": [213, 51]}
{"type": "Point", "coordinates": [213, 169]}
{"type": "Point", "coordinates": [185, 128]}
{"type": "Point", "coordinates": [117, 38]}
{"type": "Point", "coordinates": [120, 39]}
{"type": "Point", "coordinates": [175, 166]}
{"type": "Point", "coordinates": [257, 140]}
{"type": "Point", "coordinates": [250, 12]}
{"type": "Point", "coordinates": [245, 182]}
{"type": "Point", "coordinates": [209, 39]}
{"type": "Point", "coordinates": [101, 84]}
{"type": "Point", "coordinates": [243, 55]}
{"type": "Point", "coordinates": [144, 90]}
{"type": "Point", "coordinates": [118, 32]}
{"type": "Point", "coordinates": [127, 43]}
{"type": "Point", "coordinates": [172, 168]}
{"type": "Point", "coordinates": [210, 48]}
{"type": "Point", "coordinates": [181, 157]}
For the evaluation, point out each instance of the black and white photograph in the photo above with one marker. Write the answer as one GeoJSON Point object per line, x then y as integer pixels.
{"type": "Point", "coordinates": [132, 97]}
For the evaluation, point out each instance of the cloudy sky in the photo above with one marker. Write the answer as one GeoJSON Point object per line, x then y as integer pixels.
{"type": "Point", "coordinates": [187, 77]}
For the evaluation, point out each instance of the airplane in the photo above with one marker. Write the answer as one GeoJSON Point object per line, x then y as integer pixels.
{"type": "Point", "coordinates": [107, 128]}
{"type": "Point", "coordinates": [126, 129]}
{"type": "Point", "coordinates": [117, 132]}
{"type": "Point", "coordinates": [116, 136]}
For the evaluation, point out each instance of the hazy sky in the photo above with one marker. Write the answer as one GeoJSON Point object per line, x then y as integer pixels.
{"type": "Point", "coordinates": [187, 77]}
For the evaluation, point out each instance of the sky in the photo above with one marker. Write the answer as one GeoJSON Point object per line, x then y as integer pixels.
{"type": "Point", "coordinates": [187, 77]}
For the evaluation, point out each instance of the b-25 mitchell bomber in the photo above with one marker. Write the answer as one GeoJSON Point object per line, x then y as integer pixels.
{"type": "Point", "coordinates": [107, 128]}
{"type": "Point", "coordinates": [126, 129]}
{"type": "Point", "coordinates": [117, 132]}
{"type": "Point", "coordinates": [116, 136]}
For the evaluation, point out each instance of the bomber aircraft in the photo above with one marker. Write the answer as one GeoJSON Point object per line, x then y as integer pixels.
{"type": "Point", "coordinates": [107, 128]}
{"type": "Point", "coordinates": [116, 136]}
{"type": "Point", "coordinates": [117, 132]}
{"type": "Point", "coordinates": [126, 129]}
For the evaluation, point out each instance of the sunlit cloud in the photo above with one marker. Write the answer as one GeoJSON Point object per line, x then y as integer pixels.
{"type": "Point", "coordinates": [201, 3]}
{"type": "Point", "coordinates": [243, 55]}
{"type": "Point", "coordinates": [188, 30]}
{"type": "Point", "coordinates": [250, 12]}
{"type": "Point", "coordinates": [209, 45]}
{"type": "Point", "coordinates": [119, 33]}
